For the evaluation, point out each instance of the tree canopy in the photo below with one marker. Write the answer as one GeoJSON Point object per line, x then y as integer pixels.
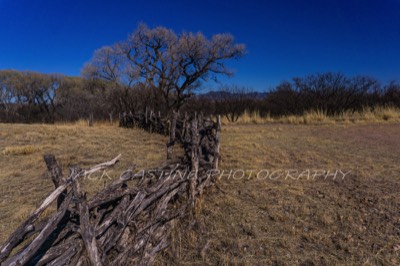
{"type": "Point", "coordinates": [165, 63]}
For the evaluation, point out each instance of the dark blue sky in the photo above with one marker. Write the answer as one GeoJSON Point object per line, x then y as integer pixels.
{"type": "Point", "coordinates": [283, 38]}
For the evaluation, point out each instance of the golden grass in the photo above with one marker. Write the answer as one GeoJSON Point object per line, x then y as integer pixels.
{"type": "Point", "coordinates": [295, 222]}
{"type": "Point", "coordinates": [23, 179]}
{"type": "Point", "coordinates": [367, 115]}
{"type": "Point", "coordinates": [20, 150]}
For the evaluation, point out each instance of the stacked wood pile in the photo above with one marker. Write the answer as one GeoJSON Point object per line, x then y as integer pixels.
{"type": "Point", "coordinates": [129, 221]}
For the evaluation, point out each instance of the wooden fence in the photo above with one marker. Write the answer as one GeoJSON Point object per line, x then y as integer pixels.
{"type": "Point", "coordinates": [149, 121]}
{"type": "Point", "coordinates": [123, 224]}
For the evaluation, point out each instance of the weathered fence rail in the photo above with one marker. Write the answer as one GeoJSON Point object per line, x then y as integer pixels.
{"type": "Point", "coordinates": [123, 224]}
{"type": "Point", "coordinates": [149, 121]}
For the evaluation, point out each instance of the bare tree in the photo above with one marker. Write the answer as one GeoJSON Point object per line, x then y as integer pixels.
{"type": "Point", "coordinates": [7, 95]}
{"type": "Point", "coordinates": [30, 92]}
{"type": "Point", "coordinates": [165, 63]}
{"type": "Point", "coordinates": [392, 94]}
{"type": "Point", "coordinates": [105, 65]}
{"type": "Point", "coordinates": [233, 101]}
{"type": "Point", "coordinates": [284, 100]}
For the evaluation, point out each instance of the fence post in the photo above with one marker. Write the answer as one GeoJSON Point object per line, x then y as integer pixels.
{"type": "Point", "coordinates": [194, 157]}
{"type": "Point", "coordinates": [170, 145]}
{"type": "Point", "coordinates": [145, 119]}
{"type": "Point", "coordinates": [55, 171]}
{"type": "Point", "coordinates": [90, 120]}
{"type": "Point", "coordinates": [217, 144]}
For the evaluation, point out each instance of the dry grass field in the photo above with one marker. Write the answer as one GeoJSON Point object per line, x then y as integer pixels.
{"type": "Point", "coordinates": [300, 220]}
{"type": "Point", "coordinates": [23, 179]}
{"type": "Point", "coordinates": [269, 219]}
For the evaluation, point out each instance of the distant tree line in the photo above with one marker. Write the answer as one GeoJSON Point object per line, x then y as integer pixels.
{"type": "Point", "coordinates": [160, 70]}
{"type": "Point", "coordinates": [330, 93]}
{"type": "Point", "coordinates": [28, 97]}
{"type": "Point", "coordinates": [154, 68]}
